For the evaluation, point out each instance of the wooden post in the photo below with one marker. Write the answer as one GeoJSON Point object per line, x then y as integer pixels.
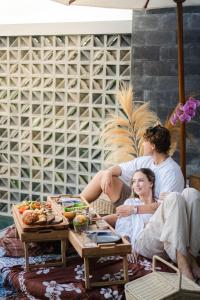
{"type": "Point", "coordinates": [181, 85]}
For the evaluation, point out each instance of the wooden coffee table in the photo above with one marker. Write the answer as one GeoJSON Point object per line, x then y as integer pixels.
{"type": "Point", "coordinates": [28, 234]}
{"type": "Point", "coordinates": [122, 248]}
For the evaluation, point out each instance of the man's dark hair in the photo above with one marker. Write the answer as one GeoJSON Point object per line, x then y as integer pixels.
{"type": "Point", "coordinates": [160, 137]}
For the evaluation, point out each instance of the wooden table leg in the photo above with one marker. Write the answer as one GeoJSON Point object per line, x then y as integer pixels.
{"type": "Point", "coordinates": [86, 266]}
{"type": "Point", "coordinates": [63, 251]}
{"type": "Point", "coordinates": [16, 233]}
{"type": "Point", "coordinates": [26, 256]}
{"type": "Point", "coordinates": [125, 268]}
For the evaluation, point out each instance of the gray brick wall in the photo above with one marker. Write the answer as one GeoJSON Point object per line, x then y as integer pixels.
{"type": "Point", "coordinates": [154, 66]}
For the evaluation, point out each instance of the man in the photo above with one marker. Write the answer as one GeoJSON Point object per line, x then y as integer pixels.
{"type": "Point", "coordinates": [168, 174]}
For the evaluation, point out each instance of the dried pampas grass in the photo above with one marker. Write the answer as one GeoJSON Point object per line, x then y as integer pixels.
{"type": "Point", "coordinates": [122, 136]}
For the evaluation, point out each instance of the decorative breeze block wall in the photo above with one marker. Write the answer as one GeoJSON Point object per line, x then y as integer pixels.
{"type": "Point", "coordinates": [55, 93]}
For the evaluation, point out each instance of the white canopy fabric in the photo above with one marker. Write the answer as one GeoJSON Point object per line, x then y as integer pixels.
{"type": "Point", "coordinates": [169, 3]}
{"type": "Point", "coordinates": [106, 3]}
{"type": "Point", "coordinates": [46, 11]}
{"type": "Point", "coordinates": [133, 4]}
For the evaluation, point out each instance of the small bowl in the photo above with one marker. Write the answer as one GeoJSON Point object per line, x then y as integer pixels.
{"type": "Point", "coordinates": [70, 215]}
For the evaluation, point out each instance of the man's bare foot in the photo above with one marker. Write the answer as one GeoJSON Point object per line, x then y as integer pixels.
{"type": "Point", "coordinates": [195, 267]}
{"type": "Point", "coordinates": [184, 265]}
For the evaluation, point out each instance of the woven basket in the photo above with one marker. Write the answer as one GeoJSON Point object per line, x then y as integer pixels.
{"type": "Point", "coordinates": [161, 285]}
{"type": "Point", "coordinates": [103, 206]}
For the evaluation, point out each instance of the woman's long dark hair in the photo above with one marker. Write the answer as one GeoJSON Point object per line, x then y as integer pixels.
{"type": "Point", "coordinates": [150, 176]}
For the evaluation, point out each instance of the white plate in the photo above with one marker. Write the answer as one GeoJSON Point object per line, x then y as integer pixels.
{"type": "Point", "coordinates": [105, 236]}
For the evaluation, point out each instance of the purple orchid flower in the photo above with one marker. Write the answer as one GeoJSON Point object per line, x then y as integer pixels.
{"type": "Point", "coordinates": [184, 113]}
{"type": "Point", "coordinates": [189, 109]}
{"type": "Point", "coordinates": [174, 119]}
{"type": "Point", "coordinates": [190, 106]}
{"type": "Point", "coordinates": [178, 112]}
{"type": "Point", "coordinates": [194, 102]}
{"type": "Point", "coordinates": [185, 117]}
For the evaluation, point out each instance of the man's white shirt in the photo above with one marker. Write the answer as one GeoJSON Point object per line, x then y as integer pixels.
{"type": "Point", "coordinates": [169, 177]}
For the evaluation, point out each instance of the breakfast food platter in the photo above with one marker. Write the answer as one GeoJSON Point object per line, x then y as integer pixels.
{"type": "Point", "coordinates": [40, 217]}
{"type": "Point", "coordinates": [70, 206]}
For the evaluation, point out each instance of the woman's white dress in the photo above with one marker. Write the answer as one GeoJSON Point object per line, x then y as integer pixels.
{"type": "Point", "coordinates": [132, 225]}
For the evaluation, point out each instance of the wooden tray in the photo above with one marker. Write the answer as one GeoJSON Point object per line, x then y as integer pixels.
{"type": "Point", "coordinates": [55, 198]}
{"type": "Point", "coordinates": [30, 228]}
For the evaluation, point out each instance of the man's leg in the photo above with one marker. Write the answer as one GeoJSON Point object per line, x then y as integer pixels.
{"type": "Point", "coordinates": [167, 229]}
{"type": "Point", "coordinates": [93, 190]}
{"type": "Point", "coordinates": [192, 198]}
{"type": "Point", "coordinates": [148, 242]}
{"type": "Point", "coordinates": [184, 265]}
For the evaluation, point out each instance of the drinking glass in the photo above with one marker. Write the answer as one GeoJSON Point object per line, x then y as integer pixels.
{"type": "Point", "coordinates": [89, 239]}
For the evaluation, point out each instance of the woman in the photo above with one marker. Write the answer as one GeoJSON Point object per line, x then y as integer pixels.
{"type": "Point", "coordinates": [130, 223]}
{"type": "Point", "coordinates": [173, 229]}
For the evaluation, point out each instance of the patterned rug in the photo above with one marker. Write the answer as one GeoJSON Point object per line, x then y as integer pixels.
{"type": "Point", "coordinates": [57, 283]}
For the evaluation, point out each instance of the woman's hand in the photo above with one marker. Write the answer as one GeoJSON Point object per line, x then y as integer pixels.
{"type": "Point", "coordinates": [124, 210]}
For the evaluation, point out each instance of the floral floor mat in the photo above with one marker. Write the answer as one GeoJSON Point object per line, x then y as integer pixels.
{"type": "Point", "coordinates": [60, 283]}
{"type": "Point", "coordinates": [66, 283]}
